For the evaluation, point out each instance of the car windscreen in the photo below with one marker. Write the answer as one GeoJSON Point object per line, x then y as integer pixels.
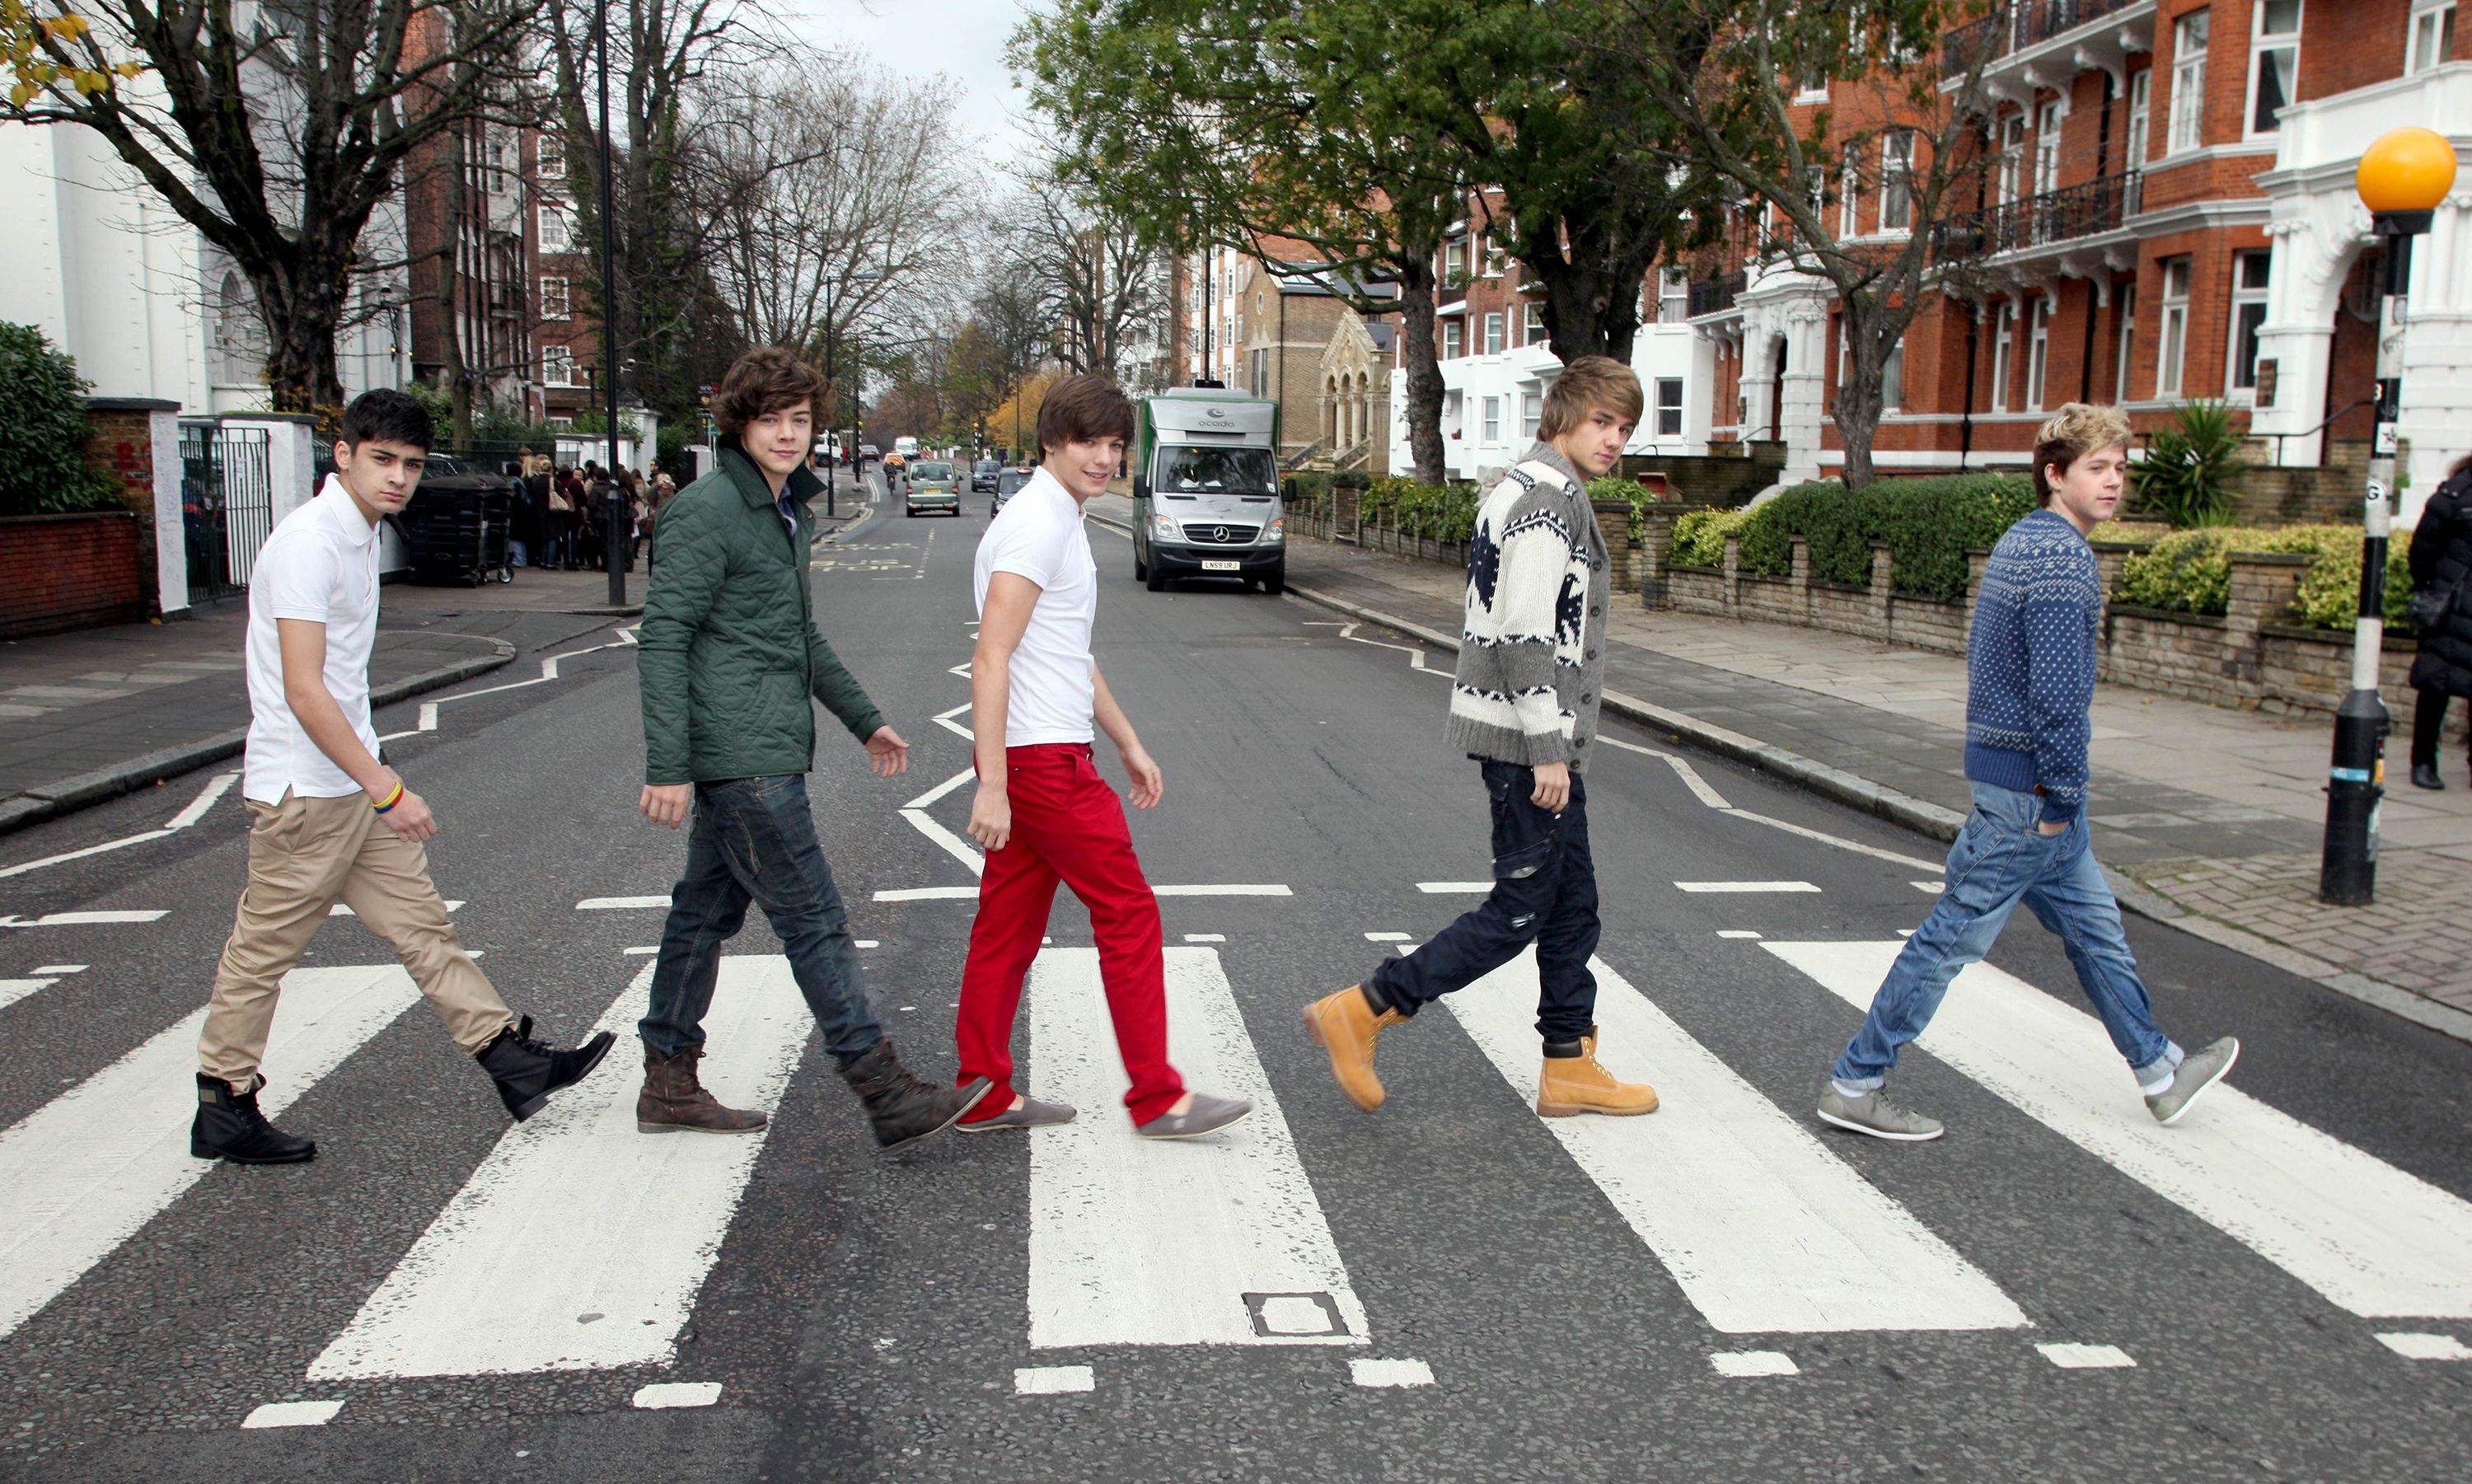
{"type": "Point", "coordinates": [439, 463]}
{"type": "Point", "coordinates": [986, 466]}
{"type": "Point", "coordinates": [1191, 470]}
{"type": "Point", "coordinates": [1008, 483]}
{"type": "Point", "coordinates": [931, 472]}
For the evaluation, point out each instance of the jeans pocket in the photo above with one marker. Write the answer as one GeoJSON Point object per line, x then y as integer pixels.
{"type": "Point", "coordinates": [1525, 862]}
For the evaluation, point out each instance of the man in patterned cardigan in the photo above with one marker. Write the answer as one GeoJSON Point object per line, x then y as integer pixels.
{"type": "Point", "coordinates": [1524, 708]}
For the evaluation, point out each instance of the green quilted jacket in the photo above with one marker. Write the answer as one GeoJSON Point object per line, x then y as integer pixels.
{"type": "Point", "coordinates": [728, 652]}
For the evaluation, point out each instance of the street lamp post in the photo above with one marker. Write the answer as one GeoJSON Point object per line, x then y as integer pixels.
{"type": "Point", "coordinates": [2401, 178]}
{"type": "Point", "coordinates": [613, 557]}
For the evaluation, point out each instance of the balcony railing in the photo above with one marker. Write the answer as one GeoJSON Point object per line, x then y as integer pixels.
{"type": "Point", "coordinates": [2015, 27]}
{"type": "Point", "coordinates": [2084, 209]}
{"type": "Point", "coordinates": [1714, 296]}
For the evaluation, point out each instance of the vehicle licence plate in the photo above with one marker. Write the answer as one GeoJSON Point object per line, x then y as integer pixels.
{"type": "Point", "coordinates": [1223, 567]}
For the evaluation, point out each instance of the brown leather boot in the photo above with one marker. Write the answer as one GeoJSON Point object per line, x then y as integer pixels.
{"type": "Point", "coordinates": [1573, 1082]}
{"type": "Point", "coordinates": [1344, 1025]}
{"type": "Point", "coordinates": [675, 1099]}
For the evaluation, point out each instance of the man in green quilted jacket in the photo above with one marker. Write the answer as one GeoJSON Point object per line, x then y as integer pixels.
{"type": "Point", "coordinates": [728, 660]}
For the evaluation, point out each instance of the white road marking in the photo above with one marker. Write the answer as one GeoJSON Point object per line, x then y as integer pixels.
{"type": "Point", "coordinates": [577, 1214]}
{"type": "Point", "coordinates": [293, 1414]}
{"type": "Point", "coordinates": [2086, 1357]}
{"type": "Point", "coordinates": [945, 719]}
{"type": "Point", "coordinates": [87, 1170]}
{"type": "Point", "coordinates": [1052, 1380]}
{"type": "Point", "coordinates": [863, 943]}
{"type": "Point", "coordinates": [549, 671]}
{"type": "Point", "coordinates": [620, 903]}
{"type": "Point", "coordinates": [2369, 1237]}
{"type": "Point", "coordinates": [81, 919]}
{"type": "Point", "coordinates": [1390, 1372]}
{"type": "Point", "coordinates": [1444, 888]}
{"type": "Point", "coordinates": [971, 893]}
{"type": "Point", "coordinates": [660, 1396]}
{"type": "Point", "coordinates": [1744, 888]}
{"type": "Point", "coordinates": [1206, 937]}
{"type": "Point", "coordinates": [341, 910]}
{"type": "Point", "coordinates": [1701, 790]}
{"type": "Point", "coordinates": [1763, 1228]}
{"type": "Point", "coordinates": [639, 952]}
{"type": "Point", "coordinates": [928, 798]}
{"type": "Point", "coordinates": [215, 787]}
{"type": "Point", "coordinates": [1736, 932]}
{"type": "Point", "coordinates": [1220, 891]}
{"type": "Point", "coordinates": [1682, 769]}
{"type": "Point", "coordinates": [953, 844]}
{"type": "Point", "coordinates": [12, 991]}
{"type": "Point", "coordinates": [1934, 886]}
{"type": "Point", "coordinates": [60, 968]}
{"type": "Point", "coordinates": [2425, 1347]}
{"type": "Point", "coordinates": [1386, 937]}
{"type": "Point", "coordinates": [1753, 1362]}
{"type": "Point", "coordinates": [1136, 1242]}
{"type": "Point", "coordinates": [929, 894]}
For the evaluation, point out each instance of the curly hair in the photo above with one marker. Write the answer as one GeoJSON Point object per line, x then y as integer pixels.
{"type": "Point", "coordinates": [773, 378]}
{"type": "Point", "coordinates": [2076, 430]}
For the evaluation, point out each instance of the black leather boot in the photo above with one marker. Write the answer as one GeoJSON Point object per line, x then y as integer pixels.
{"type": "Point", "coordinates": [229, 1127]}
{"type": "Point", "coordinates": [527, 1071]}
{"type": "Point", "coordinates": [2424, 775]}
{"type": "Point", "coordinates": [901, 1109]}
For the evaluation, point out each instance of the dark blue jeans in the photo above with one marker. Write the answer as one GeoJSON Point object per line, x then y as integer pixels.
{"type": "Point", "coordinates": [754, 840]}
{"type": "Point", "coordinates": [1544, 893]}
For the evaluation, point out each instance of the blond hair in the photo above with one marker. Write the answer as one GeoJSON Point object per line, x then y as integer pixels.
{"type": "Point", "coordinates": [1589, 384]}
{"type": "Point", "coordinates": [2076, 430]}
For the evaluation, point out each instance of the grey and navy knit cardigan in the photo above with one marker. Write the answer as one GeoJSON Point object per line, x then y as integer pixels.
{"type": "Point", "coordinates": [1531, 656]}
{"type": "Point", "coordinates": [2030, 664]}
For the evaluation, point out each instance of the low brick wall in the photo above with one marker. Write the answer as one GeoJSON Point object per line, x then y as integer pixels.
{"type": "Point", "coordinates": [62, 572]}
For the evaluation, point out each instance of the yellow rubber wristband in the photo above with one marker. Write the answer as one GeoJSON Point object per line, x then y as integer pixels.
{"type": "Point", "coordinates": [394, 796]}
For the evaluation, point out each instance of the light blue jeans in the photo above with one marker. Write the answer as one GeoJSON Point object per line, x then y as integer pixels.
{"type": "Point", "coordinates": [1999, 860]}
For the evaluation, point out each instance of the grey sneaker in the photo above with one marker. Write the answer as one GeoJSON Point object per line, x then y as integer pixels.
{"type": "Point", "coordinates": [1031, 1114]}
{"type": "Point", "coordinates": [1875, 1115]}
{"type": "Point", "coordinates": [2198, 1071]}
{"type": "Point", "coordinates": [1207, 1116]}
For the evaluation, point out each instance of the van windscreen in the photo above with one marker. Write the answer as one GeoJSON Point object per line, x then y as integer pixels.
{"type": "Point", "coordinates": [1191, 470]}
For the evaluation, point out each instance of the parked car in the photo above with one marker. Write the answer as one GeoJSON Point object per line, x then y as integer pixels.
{"type": "Point", "coordinates": [982, 476]}
{"type": "Point", "coordinates": [1008, 480]}
{"type": "Point", "coordinates": [934, 485]}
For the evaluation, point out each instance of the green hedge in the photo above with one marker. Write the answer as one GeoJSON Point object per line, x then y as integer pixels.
{"type": "Point", "coordinates": [44, 431]}
{"type": "Point", "coordinates": [1700, 538]}
{"type": "Point", "coordinates": [2191, 572]}
{"type": "Point", "coordinates": [1445, 513]}
{"type": "Point", "coordinates": [1631, 492]}
{"type": "Point", "coordinates": [1929, 524]}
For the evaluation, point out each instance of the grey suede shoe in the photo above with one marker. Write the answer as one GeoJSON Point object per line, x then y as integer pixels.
{"type": "Point", "coordinates": [1031, 1114]}
{"type": "Point", "coordinates": [2197, 1071]}
{"type": "Point", "coordinates": [1875, 1115]}
{"type": "Point", "coordinates": [1207, 1116]}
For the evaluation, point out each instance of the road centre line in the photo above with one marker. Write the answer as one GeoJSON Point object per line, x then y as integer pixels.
{"type": "Point", "coordinates": [2086, 1357]}
{"type": "Point", "coordinates": [60, 968]}
{"type": "Point", "coordinates": [1763, 1228]}
{"type": "Point", "coordinates": [1744, 1363]}
{"type": "Point", "coordinates": [343, 910]}
{"type": "Point", "coordinates": [84, 918]}
{"type": "Point", "coordinates": [293, 1414]}
{"type": "Point", "coordinates": [194, 810]}
{"type": "Point", "coordinates": [1053, 1381]}
{"type": "Point", "coordinates": [929, 894]}
{"type": "Point", "coordinates": [2369, 1237]}
{"type": "Point", "coordinates": [1744, 888]}
{"type": "Point", "coordinates": [1448, 888]}
{"type": "Point", "coordinates": [619, 904]}
{"type": "Point", "coordinates": [1390, 1372]}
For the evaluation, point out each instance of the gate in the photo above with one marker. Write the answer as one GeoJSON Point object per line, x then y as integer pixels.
{"type": "Point", "coordinates": [226, 504]}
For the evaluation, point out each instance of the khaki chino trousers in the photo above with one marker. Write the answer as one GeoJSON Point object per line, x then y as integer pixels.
{"type": "Point", "coordinates": [305, 855]}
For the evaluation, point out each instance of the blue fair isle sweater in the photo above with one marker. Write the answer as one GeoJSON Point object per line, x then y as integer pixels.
{"type": "Point", "coordinates": [2030, 664]}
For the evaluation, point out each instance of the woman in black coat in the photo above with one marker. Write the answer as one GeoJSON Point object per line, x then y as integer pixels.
{"type": "Point", "coordinates": [2441, 558]}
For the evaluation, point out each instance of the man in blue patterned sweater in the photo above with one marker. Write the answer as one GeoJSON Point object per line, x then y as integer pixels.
{"type": "Point", "coordinates": [2030, 670]}
{"type": "Point", "coordinates": [1524, 706]}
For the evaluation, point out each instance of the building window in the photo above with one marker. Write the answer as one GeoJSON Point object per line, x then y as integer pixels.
{"type": "Point", "coordinates": [2141, 110]}
{"type": "Point", "coordinates": [1669, 407]}
{"type": "Point", "coordinates": [2038, 353]}
{"type": "Point", "coordinates": [2250, 273]}
{"type": "Point", "coordinates": [1533, 333]}
{"type": "Point", "coordinates": [1893, 378]}
{"type": "Point", "coordinates": [2012, 157]}
{"type": "Point", "coordinates": [2128, 293]}
{"type": "Point", "coordinates": [1492, 258]}
{"type": "Point", "coordinates": [2047, 147]}
{"type": "Point", "coordinates": [553, 299]}
{"type": "Point", "coordinates": [2430, 41]}
{"type": "Point", "coordinates": [1531, 410]}
{"type": "Point", "coordinates": [549, 156]}
{"type": "Point", "coordinates": [1897, 181]}
{"type": "Point", "coordinates": [2004, 331]}
{"type": "Point", "coordinates": [2273, 61]}
{"type": "Point", "coordinates": [1451, 332]}
{"type": "Point", "coordinates": [1493, 420]}
{"type": "Point", "coordinates": [1454, 263]}
{"type": "Point", "coordinates": [1493, 333]}
{"type": "Point", "coordinates": [556, 230]}
{"type": "Point", "coordinates": [1262, 372]}
{"type": "Point", "coordinates": [2174, 338]}
{"type": "Point", "coordinates": [558, 365]}
{"type": "Point", "coordinates": [1673, 297]}
{"type": "Point", "coordinates": [2188, 82]}
{"type": "Point", "coordinates": [1849, 197]}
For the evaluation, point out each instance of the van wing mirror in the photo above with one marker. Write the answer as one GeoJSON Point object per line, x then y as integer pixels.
{"type": "Point", "coordinates": [1141, 488]}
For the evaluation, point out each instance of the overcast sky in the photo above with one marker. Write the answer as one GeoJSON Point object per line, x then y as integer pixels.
{"type": "Point", "coordinates": [964, 39]}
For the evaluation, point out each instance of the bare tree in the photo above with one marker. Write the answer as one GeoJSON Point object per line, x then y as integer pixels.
{"type": "Point", "coordinates": [1102, 287]}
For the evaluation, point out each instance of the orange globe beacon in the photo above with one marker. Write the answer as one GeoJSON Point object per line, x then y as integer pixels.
{"type": "Point", "coordinates": [2407, 169]}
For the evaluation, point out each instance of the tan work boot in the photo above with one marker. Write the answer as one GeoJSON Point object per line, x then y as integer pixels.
{"type": "Point", "coordinates": [675, 1099]}
{"type": "Point", "coordinates": [1578, 1084]}
{"type": "Point", "coordinates": [1347, 1027]}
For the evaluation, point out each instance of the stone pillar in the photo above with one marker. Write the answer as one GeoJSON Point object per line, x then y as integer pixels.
{"type": "Point", "coordinates": [1806, 382]}
{"type": "Point", "coordinates": [291, 456]}
{"type": "Point", "coordinates": [1613, 523]}
{"type": "Point", "coordinates": [1655, 553]}
{"type": "Point", "coordinates": [1798, 573]}
{"type": "Point", "coordinates": [1884, 584]}
{"type": "Point", "coordinates": [1732, 595]}
{"type": "Point", "coordinates": [140, 441]}
{"type": "Point", "coordinates": [2263, 589]}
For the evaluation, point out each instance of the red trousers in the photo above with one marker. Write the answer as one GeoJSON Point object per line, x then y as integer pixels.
{"type": "Point", "coordinates": [1068, 825]}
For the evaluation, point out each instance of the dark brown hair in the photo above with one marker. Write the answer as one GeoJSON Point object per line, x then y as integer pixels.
{"type": "Point", "coordinates": [1589, 384]}
{"type": "Point", "coordinates": [2076, 430]}
{"type": "Point", "coordinates": [1080, 410]}
{"type": "Point", "coordinates": [771, 379]}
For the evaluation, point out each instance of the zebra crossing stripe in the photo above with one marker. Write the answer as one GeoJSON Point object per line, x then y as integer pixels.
{"type": "Point", "coordinates": [12, 991]}
{"type": "Point", "coordinates": [89, 1168]}
{"type": "Point", "coordinates": [2369, 1237]}
{"type": "Point", "coordinates": [1131, 1242]}
{"type": "Point", "coordinates": [580, 1243]}
{"type": "Point", "coordinates": [1763, 1228]}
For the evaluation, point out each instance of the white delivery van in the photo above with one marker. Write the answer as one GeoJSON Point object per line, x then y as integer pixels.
{"type": "Point", "coordinates": [1206, 490]}
{"type": "Point", "coordinates": [907, 447]}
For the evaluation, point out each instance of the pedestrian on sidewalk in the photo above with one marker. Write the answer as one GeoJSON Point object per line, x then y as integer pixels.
{"type": "Point", "coordinates": [328, 821]}
{"type": "Point", "coordinates": [566, 493]}
{"type": "Point", "coordinates": [1524, 705]}
{"type": "Point", "coordinates": [2442, 564]}
{"type": "Point", "coordinates": [728, 617]}
{"type": "Point", "coordinates": [1037, 700]}
{"type": "Point", "coordinates": [2029, 688]}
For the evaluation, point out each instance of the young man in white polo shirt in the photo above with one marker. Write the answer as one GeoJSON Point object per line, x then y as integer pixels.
{"type": "Point", "coordinates": [328, 821]}
{"type": "Point", "coordinates": [1042, 811]}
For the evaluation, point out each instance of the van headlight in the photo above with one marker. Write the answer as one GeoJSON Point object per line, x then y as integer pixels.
{"type": "Point", "coordinates": [1163, 529]}
{"type": "Point", "coordinates": [1276, 532]}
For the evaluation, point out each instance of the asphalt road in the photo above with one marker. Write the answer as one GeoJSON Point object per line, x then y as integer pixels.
{"type": "Point", "coordinates": [1566, 1302]}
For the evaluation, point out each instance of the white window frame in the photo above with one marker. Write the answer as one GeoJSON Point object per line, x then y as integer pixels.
{"type": "Point", "coordinates": [1532, 329]}
{"type": "Point", "coordinates": [2004, 333]}
{"type": "Point", "coordinates": [1897, 183]}
{"type": "Point", "coordinates": [1669, 407]}
{"type": "Point", "coordinates": [2240, 373]}
{"type": "Point", "coordinates": [558, 365]}
{"type": "Point", "coordinates": [2262, 47]}
{"type": "Point", "coordinates": [549, 215]}
{"type": "Point", "coordinates": [2188, 120]}
{"type": "Point", "coordinates": [2012, 157]}
{"type": "Point", "coordinates": [2128, 293]}
{"type": "Point", "coordinates": [1673, 297]}
{"type": "Point", "coordinates": [2429, 36]}
{"type": "Point", "coordinates": [556, 303]}
{"type": "Point", "coordinates": [1494, 330]}
{"type": "Point", "coordinates": [1531, 411]}
{"type": "Point", "coordinates": [2171, 317]}
{"type": "Point", "coordinates": [1893, 378]}
{"type": "Point", "coordinates": [2038, 351]}
{"type": "Point", "coordinates": [1491, 426]}
{"type": "Point", "coordinates": [1454, 261]}
{"type": "Point", "coordinates": [1849, 196]}
{"type": "Point", "coordinates": [2141, 116]}
{"type": "Point", "coordinates": [1454, 331]}
{"type": "Point", "coordinates": [1494, 258]}
{"type": "Point", "coordinates": [2048, 116]}
{"type": "Point", "coordinates": [549, 157]}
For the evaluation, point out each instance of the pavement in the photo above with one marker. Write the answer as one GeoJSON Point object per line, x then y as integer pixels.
{"type": "Point", "coordinates": [2208, 817]}
{"type": "Point", "coordinates": [1453, 1288]}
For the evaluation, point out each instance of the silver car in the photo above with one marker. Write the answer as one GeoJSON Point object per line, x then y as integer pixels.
{"type": "Point", "coordinates": [934, 485]}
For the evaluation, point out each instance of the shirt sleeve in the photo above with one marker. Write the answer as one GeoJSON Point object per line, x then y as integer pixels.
{"type": "Point", "coordinates": [301, 581]}
{"type": "Point", "coordinates": [1031, 549]}
{"type": "Point", "coordinates": [2059, 679]}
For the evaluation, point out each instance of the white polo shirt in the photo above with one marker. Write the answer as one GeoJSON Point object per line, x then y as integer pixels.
{"type": "Point", "coordinates": [321, 563]}
{"type": "Point", "coordinates": [1039, 534]}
